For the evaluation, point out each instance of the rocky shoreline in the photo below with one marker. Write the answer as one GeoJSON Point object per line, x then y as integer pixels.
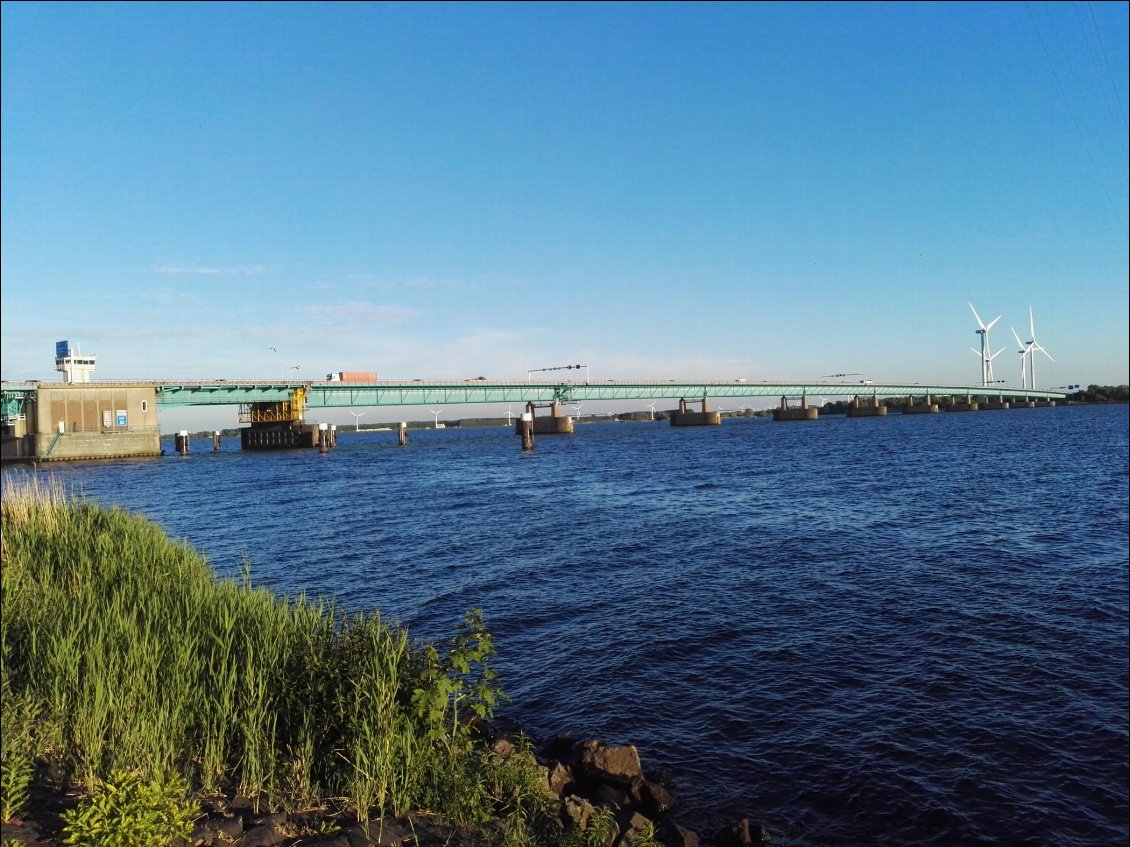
{"type": "Point", "coordinates": [599, 790]}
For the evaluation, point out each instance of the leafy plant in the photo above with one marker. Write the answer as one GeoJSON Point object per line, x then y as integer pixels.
{"type": "Point", "coordinates": [17, 717]}
{"type": "Point", "coordinates": [131, 810]}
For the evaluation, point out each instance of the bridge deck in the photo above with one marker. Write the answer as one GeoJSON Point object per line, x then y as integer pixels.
{"type": "Point", "coordinates": [219, 392]}
{"type": "Point", "coordinates": [423, 393]}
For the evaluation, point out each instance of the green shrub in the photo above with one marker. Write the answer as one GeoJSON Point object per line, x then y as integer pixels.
{"type": "Point", "coordinates": [131, 810]}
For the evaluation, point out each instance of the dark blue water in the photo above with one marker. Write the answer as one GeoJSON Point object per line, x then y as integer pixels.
{"type": "Point", "coordinates": [910, 630]}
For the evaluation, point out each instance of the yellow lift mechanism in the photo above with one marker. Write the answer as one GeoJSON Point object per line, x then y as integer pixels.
{"type": "Point", "coordinates": [288, 411]}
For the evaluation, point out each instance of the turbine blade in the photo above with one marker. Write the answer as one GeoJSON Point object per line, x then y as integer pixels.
{"type": "Point", "coordinates": [976, 352]}
{"type": "Point", "coordinates": [996, 354]}
{"type": "Point", "coordinates": [1045, 352]}
{"type": "Point", "coordinates": [992, 322]}
{"type": "Point", "coordinates": [1031, 325]}
{"type": "Point", "coordinates": [975, 315]}
{"type": "Point", "coordinates": [1017, 337]}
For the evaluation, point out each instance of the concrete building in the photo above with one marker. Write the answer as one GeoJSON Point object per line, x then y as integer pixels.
{"type": "Point", "coordinates": [69, 421]}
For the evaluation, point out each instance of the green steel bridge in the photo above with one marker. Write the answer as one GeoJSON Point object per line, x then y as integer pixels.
{"type": "Point", "coordinates": [318, 394]}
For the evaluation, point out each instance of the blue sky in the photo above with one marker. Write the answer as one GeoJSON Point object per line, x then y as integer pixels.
{"type": "Point", "coordinates": [767, 191]}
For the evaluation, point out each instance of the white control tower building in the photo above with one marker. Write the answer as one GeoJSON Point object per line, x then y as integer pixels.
{"type": "Point", "coordinates": [73, 365]}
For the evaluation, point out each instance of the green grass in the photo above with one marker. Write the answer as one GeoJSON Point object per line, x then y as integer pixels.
{"type": "Point", "coordinates": [121, 651]}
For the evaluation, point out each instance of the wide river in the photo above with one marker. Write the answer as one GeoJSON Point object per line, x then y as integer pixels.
{"type": "Point", "coordinates": [896, 631]}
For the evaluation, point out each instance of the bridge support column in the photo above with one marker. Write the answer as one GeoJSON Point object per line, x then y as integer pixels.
{"type": "Point", "coordinates": [968, 406]}
{"type": "Point", "coordinates": [555, 424]}
{"type": "Point", "coordinates": [684, 417]}
{"type": "Point", "coordinates": [873, 409]}
{"type": "Point", "coordinates": [803, 413]}
{"type": "Point", "coordinates": [402, 434]}
{"type": "Point", "coordinates": [999, 403]}
{"type": "Point", "coordinates": [323, 439]}
{"type": "Point", "coordinates": [925, 408]}
{"type": "Point", "coordinates": [216, 441]}
{"type": "Point", "coordinates": [182, 442]}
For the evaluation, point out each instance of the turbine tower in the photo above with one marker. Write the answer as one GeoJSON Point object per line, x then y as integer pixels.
{"type": "Point", "coordinates": [357, 420]}
{"type": "Point", "coordinates": [986, 357]}
{"type": "Point", "coordinates": [436, 413]}
{"type": "Point", "coordinates": [1023, 351]}
{"type": "Point", "coordinates": [1033, 348]}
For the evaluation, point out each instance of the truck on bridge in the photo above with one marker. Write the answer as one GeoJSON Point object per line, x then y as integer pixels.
{"type": "Point", "coordinates": [352, 376]}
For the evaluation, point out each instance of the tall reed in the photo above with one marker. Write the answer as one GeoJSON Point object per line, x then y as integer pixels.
{"type": "Point", "coordinates": [121, 650]}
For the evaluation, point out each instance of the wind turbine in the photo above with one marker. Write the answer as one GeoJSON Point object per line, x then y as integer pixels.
{"type": "Point", "coordinates": [1033, 347]}
{"type": "Point", "coordinates": [436, 413]}
{"type": "Point", "coordinates": [357, 420]}
{"type": "Point", "coordinates": [1024, 351]}
{"type": "Point", "coordinates": [577, 406]}
{"type": "Point", "coordinates": [986, 359]}
{"type": "Point", "coordinates": [509, 413]}
{"type": "Point", "coordinates": [651, 406]}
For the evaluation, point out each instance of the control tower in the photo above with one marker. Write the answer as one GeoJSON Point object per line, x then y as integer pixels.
{"type": "Point", "coordinates": [73, 365]}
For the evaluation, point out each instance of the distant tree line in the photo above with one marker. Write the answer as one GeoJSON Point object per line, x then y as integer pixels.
{"type": "Point", "coordinates": [1102, 394]}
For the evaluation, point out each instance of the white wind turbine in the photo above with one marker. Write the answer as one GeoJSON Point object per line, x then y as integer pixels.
{"type": "Point", "coordinates": [577, 406]}
{"type": "Point", "coordinates": [509, 413]}
{"type": "Point", "coordinates": [436, 413]}
{"type": "Point", "coordinates": [986, 357]}
{"type": "Point", "coordinates": [1034, 347]}
{"type": "Point", "coordinates": [651, 406]}
{"type": "Point", "coordinates": [1023, 351]}
{"type": "Point", "coordinates": [357, 420]}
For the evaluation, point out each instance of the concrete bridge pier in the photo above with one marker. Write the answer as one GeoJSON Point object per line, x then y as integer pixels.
{"type": "Point", "coordinates": [928, 407]}
{"type": "Point", "coordinates": [970, 405]}
{"type": "Point", "coordinates": [216, 441]}
{"type": "Point", "coordinates": [802, 413]}
{"type": "Point", "coordinates": [872, 409]}
{"type": "Point", "coordinates": [323, 439]}
{"type": "Point", "coordinates": [555, 424]}
{"type": "Point", "coordinates": [999, 403]}
{"type": "Point", "coordinates": [182, 442]}
{"type": "Point", "coordinates": [402, 434]}
{"type": "Point", "coordinates": [683, 417]}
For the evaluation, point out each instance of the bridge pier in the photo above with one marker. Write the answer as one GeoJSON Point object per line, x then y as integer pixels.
{"type": "Point", "coordinates": [216, 441]}
{"type": "Point", "coordinates": [182, 442]}
{"type": "Point", "coordinates": [928, 407]}
{"type": "Point", "coordinates": [993, 405]}
{"type": "Point", "coordinates": [555, 424]}
{"type": "Point", "coordinates": [706, 417]}
{"type": "Point", "coordinates": [858, 409]}
{"type": "Point", "coordinates": [970, 405]}
{"type": "Point", "coordinates": [802, 413]}
{"type": "Point", "coordinates": [402, 434]}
